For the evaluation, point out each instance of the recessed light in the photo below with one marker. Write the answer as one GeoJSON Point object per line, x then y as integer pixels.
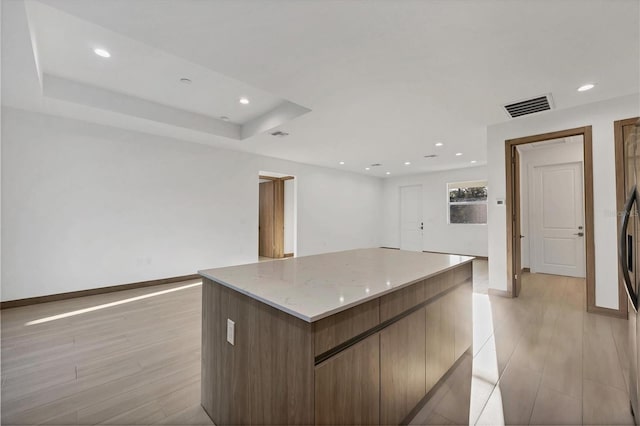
{"type": "Point", "coordinates": [341, 163]}
{"type": "Point", "coordinates": [586, 87]}
{"type": "Point", "coordinates": [473, 161]}
{"type": "Point", "coordinates": [185, 80]}
{"type": "Point", "coordinates": [439, 144]}
{"type": "Point", "coordinates": [101, 52]}
{"type": "Point", "coordinates": [388, 173]}
{"type": "Point", "coordinates": [367, 168]}
{"type": "Point", "coordinates": [406, 163]}
{"type": "Point", "coordinates": [244, 101]}
{"type": "Point", "coordinates": [458, 154]}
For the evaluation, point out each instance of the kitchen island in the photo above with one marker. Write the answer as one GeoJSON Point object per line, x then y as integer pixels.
{"type": "Point", "coordinates": [353, 337]}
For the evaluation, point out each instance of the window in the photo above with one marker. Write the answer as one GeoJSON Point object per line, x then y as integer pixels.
{"type": "Point", "coordinates": [467, 202]}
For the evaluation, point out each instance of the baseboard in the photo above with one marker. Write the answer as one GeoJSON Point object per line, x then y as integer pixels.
{"type": "Point", "coordinates": [90, 292]}
{"type": "Point", "coordinates": [616, 313]}
{"type": "Point", "coordinates": [288, 255]}
{"type": "Point", "coordinates": [501, 293]}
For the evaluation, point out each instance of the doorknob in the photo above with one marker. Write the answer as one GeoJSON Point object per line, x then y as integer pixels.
{"type": "Point", "coordinates": [580, 234]}
{"type": "Point", "coordinates": [421, 225]}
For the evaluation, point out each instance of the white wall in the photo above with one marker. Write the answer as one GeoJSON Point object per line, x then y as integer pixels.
{"type": "Point", "coordinates": [438, 235]}
{"type": "Point", "coordinates": [85, 206]}
{"type": "Point", "coordinates": [601, 116]}
{"type": "Point", "coordinates": [568, 152]}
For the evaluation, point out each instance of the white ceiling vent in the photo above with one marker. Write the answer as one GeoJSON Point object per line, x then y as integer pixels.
{"type": "Point", "coordinates": [529, 106]}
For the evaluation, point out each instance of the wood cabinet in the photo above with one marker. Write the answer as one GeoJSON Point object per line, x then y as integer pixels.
{"type": "Point", "coordinates": [402, 367]}
{"type": "Point", "coordinates": [369, 364]}
{"type": "Point", "coordinates": [347, 386]}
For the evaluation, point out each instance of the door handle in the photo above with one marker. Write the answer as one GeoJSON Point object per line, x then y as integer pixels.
{"type": "Point", "coordinates": [580, 234]}
{"type": "Point", "coordinates": [421, 225]}
{"type": "Point", "coordinates": [622, 252]}
{"type": "Point", "coordinates": [521, 236]}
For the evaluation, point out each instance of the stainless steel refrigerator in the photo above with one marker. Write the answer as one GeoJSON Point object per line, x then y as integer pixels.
{"type": "Point", "coordinates": [629, 253]}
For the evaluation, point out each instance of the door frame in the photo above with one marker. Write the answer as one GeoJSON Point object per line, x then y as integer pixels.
{"type": "Point", "coordinates": [513, 209]}
{"type": "Point", "coordinates": [620, 195]}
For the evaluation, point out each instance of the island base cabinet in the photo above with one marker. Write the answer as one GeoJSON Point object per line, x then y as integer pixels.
{"type": "Point", "coordinates": [347, 386]}
{"type": "Point", "coordinates": [402, 367]}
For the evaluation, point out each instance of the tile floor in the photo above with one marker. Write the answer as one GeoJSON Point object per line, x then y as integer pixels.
{"type": "Point", "coordinates": [538, 359]}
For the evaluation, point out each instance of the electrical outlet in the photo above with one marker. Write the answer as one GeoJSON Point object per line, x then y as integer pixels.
{"type": "Point", "coordinates": [231, 331]}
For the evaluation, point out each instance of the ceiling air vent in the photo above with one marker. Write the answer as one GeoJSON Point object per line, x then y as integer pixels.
{"type": "Point", "coordinates": [376, 165]}
{"type": "Point", "coordinates": [280, 134]}
{"type": "Point", "coordinates": [529, 106]}
{"type": "Point", "coordinates": [430, 156]}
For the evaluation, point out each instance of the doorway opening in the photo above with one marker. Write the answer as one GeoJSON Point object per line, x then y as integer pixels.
{"type": "Point", "coordinates": [549, 201]}
{"type": "Point", "coordinates": [277, 212]}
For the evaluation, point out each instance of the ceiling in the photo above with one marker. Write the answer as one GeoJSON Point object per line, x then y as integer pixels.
{"type": "Point", "coordinates": [350, 81]}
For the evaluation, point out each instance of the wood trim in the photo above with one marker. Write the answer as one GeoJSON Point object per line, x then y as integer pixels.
{"type": "Point", "coordinates": [620, 199]}
{"type": "Point", "coordinates": [276, 178]}
{"type": "Point", "coordinates": [501, 293]}
{"type": "Point", "coordinates": [617, 313]}
{"type": "Point", "coordinates": [510, 145]}
{"type": "Point", "coordinates": [288, 255]}
{"type": "Point", "coordinates": [93, 291]}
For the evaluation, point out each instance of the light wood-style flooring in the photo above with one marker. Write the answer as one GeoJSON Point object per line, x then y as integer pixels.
{"type": "Point", "coordinates": [132, 363]}
{"type": "Point", "coordinates": [538, 359]}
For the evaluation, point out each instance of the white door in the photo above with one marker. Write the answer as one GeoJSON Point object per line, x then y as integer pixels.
{"type": "Point", "coordinates": [558, 220]}
{"type": "Point", "coordinates": [411, 218]}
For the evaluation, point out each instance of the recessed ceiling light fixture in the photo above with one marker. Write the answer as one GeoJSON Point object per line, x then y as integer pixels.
{"type": "Point", "coordinates": [102, 52]}
{"type": "Point", "coordinates": [586, 87]}
{"type": "Point", "coordinates": [458, 154]}
{"type": "Point", "coordinates": [341, 163]}
{"type": "Point", "coordinates": [244, 101]}
{"type": "Point", "coordinates": [439, 144]}
{"type": "Point", "coordinates": [388, 173]}
{"type": "Point", "coordinates": [473, 161]}
{"type": "Point", "coordinates": [367, 168]}
{"type": "Point", "coordinates": [407, 163]}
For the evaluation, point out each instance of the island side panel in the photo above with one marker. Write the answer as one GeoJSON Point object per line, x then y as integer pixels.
{"type": "Point", "coordinates": [266, 377]}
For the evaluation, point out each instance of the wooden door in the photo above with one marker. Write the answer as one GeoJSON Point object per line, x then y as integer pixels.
{"type": "Point", "coordinates": [516, 217]}
{"type": "Point", "coordinates": [271, 219]}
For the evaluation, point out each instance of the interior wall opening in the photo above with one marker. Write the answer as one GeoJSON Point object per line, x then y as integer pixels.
{"type": "Point", "coordinates": [277, 213]}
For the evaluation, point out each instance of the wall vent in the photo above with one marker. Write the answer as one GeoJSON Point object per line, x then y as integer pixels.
{"type": "Point", "coordinates": [529, 106]}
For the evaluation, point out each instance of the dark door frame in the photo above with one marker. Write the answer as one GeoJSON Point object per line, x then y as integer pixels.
{"type": "Point", "coordinates": [513, 209]}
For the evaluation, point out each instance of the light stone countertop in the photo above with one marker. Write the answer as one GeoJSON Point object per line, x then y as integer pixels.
{"type": "Point", "coordinates": [315, 287]}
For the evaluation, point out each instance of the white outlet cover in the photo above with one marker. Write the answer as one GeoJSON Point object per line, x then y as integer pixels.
{"type": "Point", "coordinates": [231, 331]}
